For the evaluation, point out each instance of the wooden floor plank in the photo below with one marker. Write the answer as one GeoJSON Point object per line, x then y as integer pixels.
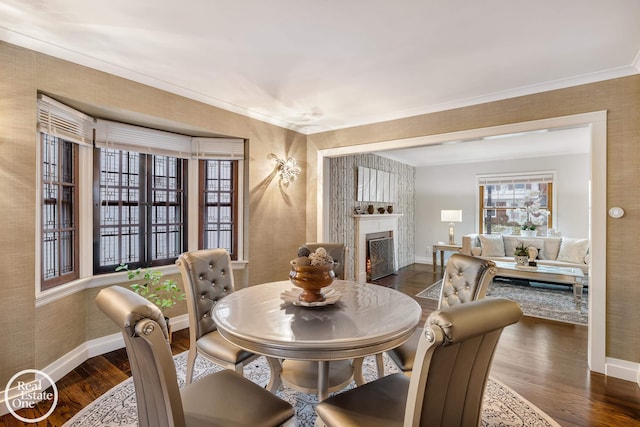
{"type": "Point", "coordinates": [542, 360]}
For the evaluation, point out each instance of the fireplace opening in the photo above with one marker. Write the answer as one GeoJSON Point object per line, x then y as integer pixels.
{"type": "Point", "coordinates": [380, 256]}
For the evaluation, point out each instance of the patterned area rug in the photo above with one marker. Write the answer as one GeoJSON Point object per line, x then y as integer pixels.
{"type": "Point", "coordinates": [537, 299]}
{"type": "Point", "coordinates": [117, 407]}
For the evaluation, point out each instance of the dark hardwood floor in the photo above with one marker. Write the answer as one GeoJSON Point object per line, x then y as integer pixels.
{"type": "Point", "coordinates": [542, 360]}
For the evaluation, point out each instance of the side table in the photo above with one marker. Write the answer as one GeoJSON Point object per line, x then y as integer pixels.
{"type": "Point", "coordinates": [442, 248]}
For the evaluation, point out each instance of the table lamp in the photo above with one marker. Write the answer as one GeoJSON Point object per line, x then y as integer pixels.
{"type": "Point", "coordinates": [451, 216]}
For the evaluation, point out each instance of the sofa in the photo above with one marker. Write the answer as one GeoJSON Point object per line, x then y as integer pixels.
{"type": "Point", "coordinates": [553, 251]}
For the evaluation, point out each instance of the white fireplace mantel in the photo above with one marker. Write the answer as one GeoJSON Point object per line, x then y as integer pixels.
{"type": "Point", "coordinates": [368, 224]}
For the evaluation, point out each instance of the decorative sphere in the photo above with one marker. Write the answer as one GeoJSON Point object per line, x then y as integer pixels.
{"type": "Point", "coordinates": [303, 251]}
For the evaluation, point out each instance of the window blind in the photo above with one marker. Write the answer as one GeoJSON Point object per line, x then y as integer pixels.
{"type": "Point", "coordinates": [546, 177]}
{"type": "Point", "coordinates": [127, 137]}
{"type": "Point", "coordinates": [59, 120]}
{"type": "Point", "coordinates": [217, 148]}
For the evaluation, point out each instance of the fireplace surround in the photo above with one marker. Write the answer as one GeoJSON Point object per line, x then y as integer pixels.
{"type": "Point", "coordinates": [375, 224]}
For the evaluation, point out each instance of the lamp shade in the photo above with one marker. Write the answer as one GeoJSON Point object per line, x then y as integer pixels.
{"type": "Point", "coordinates": [451, 216]}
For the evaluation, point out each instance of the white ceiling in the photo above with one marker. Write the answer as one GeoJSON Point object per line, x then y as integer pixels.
{"type": "Point", "coordinates": [321, 65]}
{"type": "Point", "coordinates": [543, 143]}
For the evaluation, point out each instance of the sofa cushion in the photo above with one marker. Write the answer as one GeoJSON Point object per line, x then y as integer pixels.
{"type": "Point", "coordinates": [510, 243]}
{"type": "Point", "coordinates": [551, 248]}
{"type": "Point", "coordinates": [573, 250]}
{"type": "Point", "coordinates": [491, 244]}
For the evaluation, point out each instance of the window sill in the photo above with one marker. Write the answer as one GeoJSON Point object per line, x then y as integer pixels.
{"type": "Point", "coordinates": [46, 297]}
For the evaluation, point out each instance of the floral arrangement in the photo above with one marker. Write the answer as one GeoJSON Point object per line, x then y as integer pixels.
{"type": "Point", "coordinates": [318, 258]}
{"type": "Point", "coordinates": [521, 250]}
{"type": "Point", "coordinates": [530, 214]}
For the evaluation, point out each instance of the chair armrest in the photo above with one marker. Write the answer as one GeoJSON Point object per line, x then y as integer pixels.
{"type": "Point", "coordinates": [466, 245]}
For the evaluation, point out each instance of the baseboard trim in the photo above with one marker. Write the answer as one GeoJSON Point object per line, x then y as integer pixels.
{"type": "Point", "coordinates": [623, 369]}
{"type": "Point", "coordinates": [95, 347]}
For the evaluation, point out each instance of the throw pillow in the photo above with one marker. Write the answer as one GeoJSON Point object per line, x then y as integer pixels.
{"type": "Point", "coordinates": [551, 248]}
{"type": "Point", "coordinates": [573, 250]}
{"type": "Point", "coordinates": [533, 243]}
{"type": "Point", "coordinates": [477, 251]}
{"type": "Point", "coordinates": [492, 245]}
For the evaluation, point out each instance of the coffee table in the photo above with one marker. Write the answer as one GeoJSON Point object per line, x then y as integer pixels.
{"type": "Point", "coordinates": [545, 273]}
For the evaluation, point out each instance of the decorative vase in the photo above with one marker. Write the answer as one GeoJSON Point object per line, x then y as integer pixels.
{"type": "Point", "coordinates": [381, 210]}
{"type": "Point", "coordinates": [390, 209]}
{"type": "Point", "coordinates": [522, 259]}
{"type": "Point", "coordinates": [370, 209]}
{"type": "Point", "coordinates": [528, 233]}
{"type": "Point", "coordinates": [311, 278]}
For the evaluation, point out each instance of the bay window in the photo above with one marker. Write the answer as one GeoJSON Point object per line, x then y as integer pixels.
{"type": "Point", "coordinates": [112, 193]}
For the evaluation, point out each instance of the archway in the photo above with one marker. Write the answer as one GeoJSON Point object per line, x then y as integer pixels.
{"type": "Point", "coordinates": [596, 121]}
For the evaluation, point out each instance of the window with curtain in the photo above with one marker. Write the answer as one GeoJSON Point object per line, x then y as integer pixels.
{"type": "Point", "coordinates": [516, 203]}
{"type": "Point", "coordinates": [63, 132]}
{"type": "Point", "coordinates": [218, 205]}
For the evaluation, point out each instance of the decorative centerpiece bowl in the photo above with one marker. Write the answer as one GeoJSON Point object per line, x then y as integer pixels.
{"type": "Point", "coordinates": [311, 278]}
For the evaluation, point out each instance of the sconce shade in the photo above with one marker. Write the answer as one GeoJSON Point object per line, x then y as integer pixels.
{"type": "Point", "coordinates": [288, 169]}
{"type": "Point", "coordinates": [451, 216]}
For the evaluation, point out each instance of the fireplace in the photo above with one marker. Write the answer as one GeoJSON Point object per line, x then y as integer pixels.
{"type": "Point", "coordinates": [373, 228]}
{"type": "Point", "coordinates": [380, 258]}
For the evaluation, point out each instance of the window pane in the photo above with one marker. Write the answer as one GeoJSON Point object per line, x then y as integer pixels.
{"type": "Point", "coordinates": [59, 211]}
{"type": "Point", "coordinates": [142, 209]}
{"type": "Point", "coordinates": [167, 213]}
{"type": "Point", "coordinates": [119, 224]}
{"type": "Point", "coordinates": [506, 208]}
{"type": "Point", "coordinates": [218, 199]}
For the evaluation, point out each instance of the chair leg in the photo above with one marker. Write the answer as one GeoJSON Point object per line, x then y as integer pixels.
{"type": "Point", "coordinates": [239, 368]}
{"type": "Point", "coordinates": [319, 423]}
{"type": "Point", "coordinates": [356, 364]}
{"type": "Point", "coordinates": [191, 361]}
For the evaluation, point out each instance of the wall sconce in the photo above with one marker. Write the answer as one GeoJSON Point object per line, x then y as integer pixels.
{"type": "Point", "coordinates": [451, 216]}
{"type": "Point", "coordinates": [288, 169]}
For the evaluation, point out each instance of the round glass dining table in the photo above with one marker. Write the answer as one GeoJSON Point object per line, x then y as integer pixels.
{"type": "Point", "coordinates": [365, 320]}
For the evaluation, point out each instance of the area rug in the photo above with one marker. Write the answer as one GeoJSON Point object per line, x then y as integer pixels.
{"type": "Point", "coordinates": [537, 300]}
{"type": "Point", "coordinates": [117, 407]}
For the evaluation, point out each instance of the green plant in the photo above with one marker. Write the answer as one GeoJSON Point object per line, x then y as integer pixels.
{"type": "Point", "coordinates": [528, 226]}
{"type": "Point", "coordinates": [522, 250]}
{"type": "Point", "coordinates": [163, 293]}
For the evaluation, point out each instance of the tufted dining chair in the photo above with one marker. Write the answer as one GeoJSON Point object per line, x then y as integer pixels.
{"type": "Point", "coordinates": [465, 279]}
{"type": "Point", "coordinates": [338, 252]}
{"type": "Point", "coordinates": [452, 364]}
{"type": "Point", "coordinates": [207, 277]}
{"type": "Point", "coordinates": [217, 399]}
